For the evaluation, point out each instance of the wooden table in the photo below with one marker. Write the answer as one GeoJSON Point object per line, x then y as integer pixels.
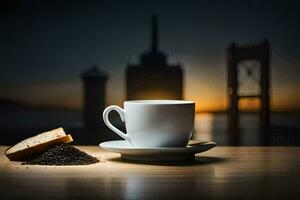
{"type": "Point", "coordinates": [221, 173]}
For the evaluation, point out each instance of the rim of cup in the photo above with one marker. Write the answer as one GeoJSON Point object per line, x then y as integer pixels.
{"type": "Point", "coordinates": [159, 102]}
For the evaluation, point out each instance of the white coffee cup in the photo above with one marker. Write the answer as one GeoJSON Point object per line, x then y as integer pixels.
{"type": "Point", "coordinates": [155, 123]}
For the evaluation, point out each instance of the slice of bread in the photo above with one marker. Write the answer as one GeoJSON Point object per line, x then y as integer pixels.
{"type": "Point", "coordinates": [37, 144]}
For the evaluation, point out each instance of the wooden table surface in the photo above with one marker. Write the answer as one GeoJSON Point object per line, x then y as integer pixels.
{"type": "Point", "coordinates": [221, 173]}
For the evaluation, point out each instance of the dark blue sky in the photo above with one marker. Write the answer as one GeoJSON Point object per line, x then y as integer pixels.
{"type": "Point", "coordinates": [45, 45]}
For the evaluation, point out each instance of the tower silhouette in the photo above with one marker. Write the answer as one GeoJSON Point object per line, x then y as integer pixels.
{"type": "Point", "coordinates": [94, 82]}
{"type": "Point", "coordinates": [154, 78]}
{"type": "Point", "coordinates": [236, 57]}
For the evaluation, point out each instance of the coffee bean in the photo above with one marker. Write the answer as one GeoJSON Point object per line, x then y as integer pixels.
{"type": "Point", "coordinates": [63, 154]}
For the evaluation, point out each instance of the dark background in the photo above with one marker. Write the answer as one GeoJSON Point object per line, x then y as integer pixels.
{"type": "Point", "coordinates": [46, 45]}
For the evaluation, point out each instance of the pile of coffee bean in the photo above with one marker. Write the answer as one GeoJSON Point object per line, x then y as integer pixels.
{"type": "Point", "coordinates": [63, 154]}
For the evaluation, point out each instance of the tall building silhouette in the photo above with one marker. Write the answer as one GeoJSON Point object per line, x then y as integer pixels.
{"type": "Point", "coordinates": [154, 78]}
{"type": "Point", "coordinates": [94, 82]}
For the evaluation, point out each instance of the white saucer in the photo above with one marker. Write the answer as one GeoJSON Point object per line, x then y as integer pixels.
{"type": "Point", "coordinates": [157, 154]}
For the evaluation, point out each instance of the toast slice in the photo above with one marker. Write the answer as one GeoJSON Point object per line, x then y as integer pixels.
{"type": "Point", "coordinates": [37, 144]}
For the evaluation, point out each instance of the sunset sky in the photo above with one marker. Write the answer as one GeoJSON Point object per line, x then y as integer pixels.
{"type": "Point", "coordinates": [46, 45]}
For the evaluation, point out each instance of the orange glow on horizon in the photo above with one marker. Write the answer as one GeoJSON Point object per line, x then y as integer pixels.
{"type": "Point", "coordinates": [208, 106]}
{"type": "Point", "coordinates": [154, 94]}
{"type": "Point", "coordinates": [208, 98]}
{"type": "Point", "coordinates": [249, 104]}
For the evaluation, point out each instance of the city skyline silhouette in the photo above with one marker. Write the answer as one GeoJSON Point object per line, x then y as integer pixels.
{"type": "Point", "coordinates": [59, 40]}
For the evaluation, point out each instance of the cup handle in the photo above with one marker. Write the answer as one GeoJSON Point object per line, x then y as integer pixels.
{"type": "Point", "coordinates": [121, 112]}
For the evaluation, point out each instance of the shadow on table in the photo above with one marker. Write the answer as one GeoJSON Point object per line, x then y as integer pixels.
{"type": "Point", "coordinates": [199, 160]}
